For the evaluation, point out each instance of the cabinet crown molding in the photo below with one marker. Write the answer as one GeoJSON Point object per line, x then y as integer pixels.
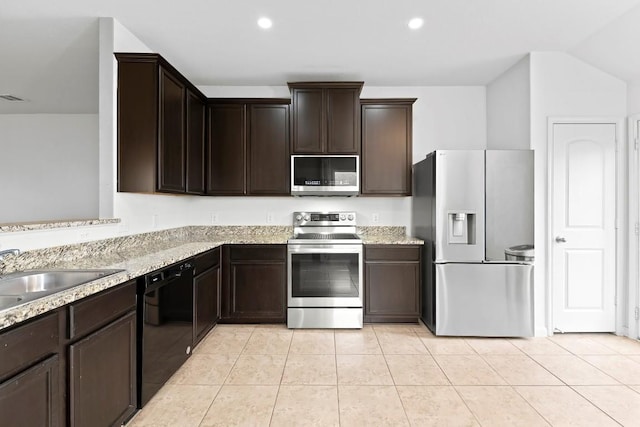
{"type": "Point", "coordinates": [325, 85]}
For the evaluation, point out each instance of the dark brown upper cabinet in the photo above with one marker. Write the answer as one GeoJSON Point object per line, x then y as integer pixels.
{"type": "Point", "coordinates": [226, 149]}
{"type": "Point", "coordinates": [386, 146]}
{"type": "Point", "coordinates": [171, 163]}
{"type": "Point", "coordinates": [248, 147]}
{"type": "Point", "coordinates": [268, 159]}
{"type": "Point", "coordinates": [195, 143]}
{"type": "Point", "coordinates": [159, 127]}
{"type": "Point", "coordinates": [325, 117]}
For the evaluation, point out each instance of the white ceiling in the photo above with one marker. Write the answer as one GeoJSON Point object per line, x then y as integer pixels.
{"type": "Point", "coordinates": [50, 48]}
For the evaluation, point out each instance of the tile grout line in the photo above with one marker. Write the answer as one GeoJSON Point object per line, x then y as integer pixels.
{"type": "Point", "coordinates": [226, 376]}
{"type": "Point", "coordinates": [404, 409]}
{"type": "Point", "coordinates": [571, 353]}
{"type": "Point", "coordinates": [594, 403]}
{"type": "Point", "coordinates": [455, 389]}
{"type": "Point", "coordinates": [532, 359]}
{"type": "Point", "coordinates": [531, 405]}
{"type": "Point", "coordinates": [286, 358]}
{"type": "Point", "coordinates": [335, 358]}
{"type": "Point", "coordinates": [580, 356]}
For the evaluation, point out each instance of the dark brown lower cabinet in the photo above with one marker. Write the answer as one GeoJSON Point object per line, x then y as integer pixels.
{"type": "Point", "coordinates": [32, 373]}
{"type": "Point", "coordinates": [255, 284]}
{"type": "Point", "coordinates": [103, 375]}
{"type": "Point", "coordinates": [206, 293]}
{"type": "Point", "coordinates": [102, 357]}
{"type": "Point", "coordinates": [392, 283]}
{"type": "Point", "coordinates": [207, 302]}
{"type": "Point", "coordinates": [32, 398]}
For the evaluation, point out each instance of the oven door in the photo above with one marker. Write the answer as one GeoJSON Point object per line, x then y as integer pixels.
{"type": "Point", "coordinates": [325, 275]}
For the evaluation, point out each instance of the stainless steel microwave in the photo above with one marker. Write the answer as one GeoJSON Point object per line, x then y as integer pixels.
{"type": "Point", "coordinates": [325, 175]}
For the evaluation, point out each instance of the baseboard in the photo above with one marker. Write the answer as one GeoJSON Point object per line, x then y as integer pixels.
{"type": "Point", "coordinates": [542, 332]}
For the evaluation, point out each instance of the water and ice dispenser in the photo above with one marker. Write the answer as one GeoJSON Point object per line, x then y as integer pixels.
{"type": "Point", "coordinates": [462, 228]}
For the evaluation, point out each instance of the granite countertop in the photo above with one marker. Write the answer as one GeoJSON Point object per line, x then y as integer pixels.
{"type": "Point", "coordinates": [391, 240]}
{"type": "Point", "coordinates": [47, 225]}
{"type": "Point", "coordinates": [140, 254]}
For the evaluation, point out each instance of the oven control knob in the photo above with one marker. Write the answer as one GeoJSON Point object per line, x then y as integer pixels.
{"type": "Point", "coordinates": [307, 217]}
{"type": "Point", "coordinates": [350, 217]}
{"type": "Point", "coordinates": [298, 217]}
{"type": "Point", "coordinates": [343, 217]}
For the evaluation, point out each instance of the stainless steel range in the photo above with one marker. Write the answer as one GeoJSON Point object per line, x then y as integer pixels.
{"type": "Point", "coordinates": [325, 271]}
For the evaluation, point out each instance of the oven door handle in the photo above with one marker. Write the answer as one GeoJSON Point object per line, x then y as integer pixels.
{"type": "Point", "coordinates": [325, 249]}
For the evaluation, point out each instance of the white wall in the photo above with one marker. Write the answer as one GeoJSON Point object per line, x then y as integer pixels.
{"type": "Point", "coordinates": [509, 108]}
{"type": "Point", "coordinates": [633, 99]}
{"type": "Point", "coordinates": [443, 118]}
{"type": "Point", "coordinates": [49, 167]}
{"type": "Point", "coordinates": [563, 86]}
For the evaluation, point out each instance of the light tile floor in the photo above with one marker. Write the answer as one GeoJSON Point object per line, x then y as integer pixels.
{"type": "Point", "coordinates": [399, 375]}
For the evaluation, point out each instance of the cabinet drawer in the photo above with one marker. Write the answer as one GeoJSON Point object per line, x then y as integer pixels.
{"type": "Point", "coordinates": [258, 253]}
{"type": "Point", "coordinates": [26, 344]}
{"type": "Point", "coordinates": [206, 260]}
{"type": "Point", "coordinates": [93, 312]}
{"type": "Point", "coordinates": [392, 253]}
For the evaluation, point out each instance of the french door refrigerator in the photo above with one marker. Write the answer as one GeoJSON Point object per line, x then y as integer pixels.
{"type": "Point", "coordinates": [473, 209]}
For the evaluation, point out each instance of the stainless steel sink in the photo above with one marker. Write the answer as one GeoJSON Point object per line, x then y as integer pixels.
{"type": "Point", "coordinates": [21, 287]}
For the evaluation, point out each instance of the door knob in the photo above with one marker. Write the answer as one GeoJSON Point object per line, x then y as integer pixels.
{"type": "Point", "coordinates": [560, 239]}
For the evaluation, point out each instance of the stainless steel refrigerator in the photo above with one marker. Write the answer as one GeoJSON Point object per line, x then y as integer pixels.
{"type": "Point", "coordinates": [474, 210]}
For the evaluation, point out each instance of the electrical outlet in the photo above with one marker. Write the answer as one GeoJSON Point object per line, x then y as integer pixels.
{"type": "Point", "coordinates": [83, 234]}
{"type": "Point", "coordinates": [214, 218]}
{"type": "Point", "coordinates": [375, 218]}
{"type": "Point", "coordinates": [124, 228]}
{"type": "Point", "coordinates": [269, 217]}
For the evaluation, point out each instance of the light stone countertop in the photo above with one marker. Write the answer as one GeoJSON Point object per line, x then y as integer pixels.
{"type": "Point", "coordinates": [391, 240]}
{"type": "Point", "coordinates": [47, 225]}
{"type": "Point", "coordinates": [144, 253]}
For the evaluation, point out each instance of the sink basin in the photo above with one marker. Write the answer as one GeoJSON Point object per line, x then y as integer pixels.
{"type": "Point", "coordinates": [18, 288]}
{"type": "Point", "coordinates": [9, 300]}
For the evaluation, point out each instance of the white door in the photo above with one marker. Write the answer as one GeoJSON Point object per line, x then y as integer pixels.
{"type": "Point", "coordinates": [583, 227]}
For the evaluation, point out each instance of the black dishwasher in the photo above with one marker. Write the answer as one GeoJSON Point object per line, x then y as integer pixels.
{"type": "Point", "coordinates": [165, 326]}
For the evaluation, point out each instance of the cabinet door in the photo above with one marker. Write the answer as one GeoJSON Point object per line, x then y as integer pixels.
{"type": "Point", "coordinates": [207, 302]}
{"type": "Point", "coordinates": [32, 398]}
{"type": "Point", "coordinates": [392, 283]}
{"type": "Point", "coordinates": [102, 375]}
{"type": "Point", "coordinates": [226, 150]}
{"type": "Point", "coordinates": [268, 160]}
{"type": "Point", "coordinates": [171, 149]}
{"type": "Point", "coordinates": [255, 284]}
{"type": "Point", "coordinates": [392, 291]}
{"type": "Point", "coordinates": [343, 121]}
{"type": "Point", "coordinates": [308, 130]}
{"type": "Point", "coordinates": [257, 292]}
{"type": "Point", "coordinates": [386, 149]}
{"type": "Point", "coordinates": [195, 144]}
{"type": "Point", "coordinates": [137, 126]}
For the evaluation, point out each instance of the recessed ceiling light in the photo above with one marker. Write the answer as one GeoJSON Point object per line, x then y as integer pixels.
{"type": "Point", "coordinates": [265, 23]}
{"type": "Point", "coordinates": [416, 23]}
